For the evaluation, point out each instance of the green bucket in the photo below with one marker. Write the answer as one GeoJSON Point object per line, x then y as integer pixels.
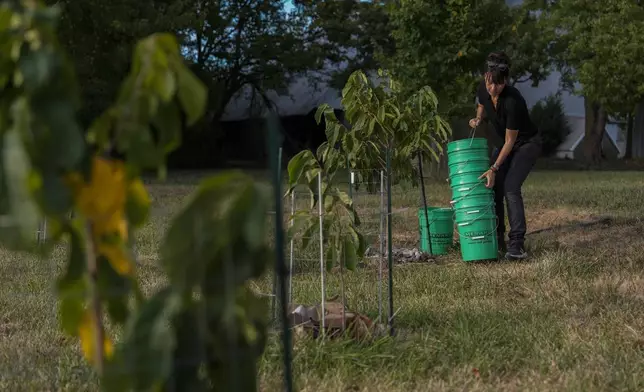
{"type": "Point", "coordinates": [465, 156]}
{"type": "Point", "coordinates": [477, 143]}
{"type": "Point", "coordinates": [473, 201]}
{"type": "Point", "coordinates": [474, 213]}
{"type": "Point", "coordinates": [478, 239]}
{"type": "Point", "coordinates": [461, 191]}
{"type": "Point", "coordinates": [462, 156]}
{"type": "Point", "coordinates": [466, 178]}
{"type": "Point", "coordinates": [441, 228]}
{"type": "Point", "coordinates": [473, 166]}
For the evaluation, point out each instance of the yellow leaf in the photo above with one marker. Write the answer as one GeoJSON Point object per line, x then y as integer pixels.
{"type": "Point", "coordinates": [102, 200]}
{"type": "Point", "coordinates": [117, 257]}
{"type": "Point", "coordinates": [514, 28]}
{"type": "Point", "coordinates": [87, 334]}
{"type": "Point", "coordinates": [460, 53]}
{"type": "Point", "coordinates": [116, 224]}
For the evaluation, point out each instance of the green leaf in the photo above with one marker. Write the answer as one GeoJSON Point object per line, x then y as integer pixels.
{"type": "Point", "coordinates": [312, 177]}
{"type": "Point", "coordinates": [328, 202]}
{"type": "Point", "coordinates": [99, 131]}
{"type": "Point", "coordinates": [24, 214]}
{"type": "Point", "coordinates": [349, 256]}
{"type": "Point", "coordinates": [54, 196]}
{"type": "Point", "coordinates": [115, 289]}
{"type": "Point", "coordinates": [76, 266]}
{"type": "Point", "coordinates": [188, 352]}
{"type": "Point", "coordinates": [299, 221]}
{"type": "Point", "coordinates": [137, 204]}
{"type": "Point", "coordinates": [195, 245]}
{"type": "Point", "coordinates": [64, 142]}
{"type": "Point", "coordinates": [255, 222]}
{"type": "Point", "coordinates": [310, 231]}
{"type": "Point", "coordinates": [165, 85]}
{"type": "Point", "coordinates": [37, 68]}
{"type": "Point", "coordinates": [382, 114]}
{"type": "Point", "coordinates": [168, 124]}
{"type": "Point", "coordinates": [298, 165]}
{"type": "Point", "coordinates": [331, 258]}
{"type": "Point", "coordinates": [141, 150]}
{"type": "Point", "coordinates": [71, 306]}
{"type": "Point", "coordinates": [325, 111]}
{"type": "Point", "coordinates": [71, 286]}
{"type": "Point", "coordinates": [192, 95]}
{"type": "Point", "coordinates": [144, 355]}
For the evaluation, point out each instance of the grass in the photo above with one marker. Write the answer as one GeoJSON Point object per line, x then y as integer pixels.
{"type": "Point", "coordinates": [571, 318]}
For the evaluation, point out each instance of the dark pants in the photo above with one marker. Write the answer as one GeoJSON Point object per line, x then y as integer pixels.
{"type": "Point", "coordinates": [509, 179]}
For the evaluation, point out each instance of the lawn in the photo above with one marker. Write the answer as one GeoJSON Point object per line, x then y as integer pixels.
{"type": "Point", "coordinates": [571, 318]}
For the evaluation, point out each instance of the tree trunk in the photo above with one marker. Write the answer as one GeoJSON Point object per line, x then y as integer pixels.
{"type": "Point", "coordinates": [637, 145]}
{"type": "Point", "coordinates": [628, 154]}
{"type": "Point", "coordinates": [596, 118]}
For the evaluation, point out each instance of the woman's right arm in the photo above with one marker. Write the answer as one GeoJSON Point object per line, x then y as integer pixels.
{"type": "Point", "coordinates": [480, 109]}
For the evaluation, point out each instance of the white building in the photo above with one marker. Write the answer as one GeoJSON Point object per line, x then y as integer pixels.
{"type": "Point", "coordinates": [614, 143]}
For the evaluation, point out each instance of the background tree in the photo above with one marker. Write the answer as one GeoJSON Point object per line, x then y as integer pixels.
{"type": "Point", "coordinates": [549, 116]}
{"type": "Point", "coordinates": [350, 33]}
{"type": "Point", "coordinates": [99, 37]}
{"type": "Point", "coordinates": [444, 43]}
{"type": "Point", "coordinates": [595, 48]}
{"type": "Point", "coordinates": [239, 43]}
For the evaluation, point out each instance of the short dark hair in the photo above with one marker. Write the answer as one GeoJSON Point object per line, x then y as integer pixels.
{"type": "Point", "coordinates": [498, 65]}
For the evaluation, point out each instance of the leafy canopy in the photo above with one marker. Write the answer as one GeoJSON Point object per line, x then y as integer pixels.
{"type": "Point", "coordinates": [444, 43]}
{"type": "Point", "coordinates": [595, 47]}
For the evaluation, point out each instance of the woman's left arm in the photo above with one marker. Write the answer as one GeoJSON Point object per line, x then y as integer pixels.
{"type": "Point", "coordinates": [510, 139]}
{"type": "Point", "coordinates": [511, 131]}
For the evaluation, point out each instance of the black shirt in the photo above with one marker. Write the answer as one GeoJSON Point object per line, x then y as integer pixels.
{"type": "Point", "coordinates": [511, 113]}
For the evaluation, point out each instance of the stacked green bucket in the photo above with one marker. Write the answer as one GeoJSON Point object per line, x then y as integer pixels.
{"type": "Point", "coordinates": [473, 203]}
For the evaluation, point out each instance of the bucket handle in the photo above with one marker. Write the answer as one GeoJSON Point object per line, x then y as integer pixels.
{"type": "Point", "coordinates": [476, 212]}
{"type": "Point", "coordinates": [430, 221]}
{"type": "Point", "coordinates": [460, 164]}
{"type": "Point", "coordinates": [472, 134]}
{"type": "Point", "coordinates": [469, 191]}
{"type": "Point", "coordinates": [480, 237]}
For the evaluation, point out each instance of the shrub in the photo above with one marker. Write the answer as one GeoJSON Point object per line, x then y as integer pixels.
{"type": "Point", "coordinates": [548, 115]}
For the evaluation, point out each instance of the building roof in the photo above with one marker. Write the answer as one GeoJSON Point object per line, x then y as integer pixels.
{"type": "Point", "coordinates": [578, 131]}
{"type": "Point", "coordinates": [303, 96]}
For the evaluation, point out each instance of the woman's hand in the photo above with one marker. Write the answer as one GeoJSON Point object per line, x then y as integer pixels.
{"type": "Point", "coordinates": [490, 176]}
{"type": "Point", "coordinates": [475, 122]}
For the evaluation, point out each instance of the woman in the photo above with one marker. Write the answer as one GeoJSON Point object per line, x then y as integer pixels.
{"type": "Point", "coordinates": [507, 112]}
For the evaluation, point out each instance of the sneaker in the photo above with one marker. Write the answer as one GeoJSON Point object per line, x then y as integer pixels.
{"type": "Point", "coordinates": [516, 253]}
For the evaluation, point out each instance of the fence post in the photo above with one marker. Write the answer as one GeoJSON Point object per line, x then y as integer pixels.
{"type": "Point", "coordinates": [382, 241]}
{"type": "Point", "coordinates": [424, 196]}
{"type": "Point", "coordinates": [290, 267]}
{"type": "Point", "coordinates": [275, 154]}
{"type": "Point", "coordinates": [390, 246]}
{"type": "Point", "coordinates": [41, 236]}
{"type": "Point", "coordinates": [320, 203]}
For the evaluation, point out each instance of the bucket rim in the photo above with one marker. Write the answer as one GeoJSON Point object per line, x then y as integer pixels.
{"type": "Point", "coordinates": [433, 210]}
{"type": "Point", "coordinates": [467, 144]}
{"type": "Point", "coordinates": [481, 217]}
